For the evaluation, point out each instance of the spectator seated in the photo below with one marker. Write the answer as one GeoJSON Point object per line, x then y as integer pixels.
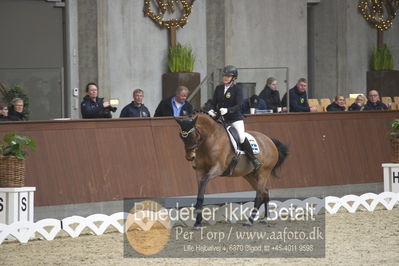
{"type": "Point", "coordinates": [253, 102]}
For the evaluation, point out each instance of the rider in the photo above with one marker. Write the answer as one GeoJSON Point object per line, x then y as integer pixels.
{"type": "Point", "coordinates": [228, 100]}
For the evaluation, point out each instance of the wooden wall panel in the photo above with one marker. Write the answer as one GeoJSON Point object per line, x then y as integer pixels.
{"type": "Point", "coordinates": [102, 160]}
{"type": "Point", "coordinates": [330, 148]}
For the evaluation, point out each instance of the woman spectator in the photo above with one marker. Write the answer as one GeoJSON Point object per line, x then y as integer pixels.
{"type": "Point", "coordinates": [359, 103]}
{"type": "Point", "coordinates": [338, 105]}
{"type": "Point", "coordinates": [16, 112]}
{"type": "Point", "coordinates": [3, 112]}
{"type": "Point", "coordinates": [92, 106]}
{"type": "Point", "coordinates": [271, 95]}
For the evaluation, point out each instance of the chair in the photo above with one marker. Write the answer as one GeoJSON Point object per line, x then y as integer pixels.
{"type": "Point", "coordinates": [313, 102]}
{"type": "Point", "coordinates": [320, 109]}
{"type": "Point", "coordinates": [324, 102]}
{"type": "Point", "coordinates": [395, 104]}
{"type": "Point", "coordinates": [349, 101]}
{"type": "Point", "coordinates": [386, 100]}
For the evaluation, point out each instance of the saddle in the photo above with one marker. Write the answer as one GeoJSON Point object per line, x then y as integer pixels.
{"type": "Point", "coordinates": [235, 140]}
{"type": "Point", "coordinates": [235, 143]}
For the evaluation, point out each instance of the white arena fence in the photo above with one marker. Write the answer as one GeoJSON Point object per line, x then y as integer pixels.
{"type": "Point", "coordinates": [98, 223]}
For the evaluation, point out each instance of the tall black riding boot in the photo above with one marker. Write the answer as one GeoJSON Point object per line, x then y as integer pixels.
{"type": "Point", "coordinates": [246, 146]}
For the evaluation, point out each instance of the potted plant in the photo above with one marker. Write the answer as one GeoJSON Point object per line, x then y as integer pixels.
{"type": "Point", "coordinates": [181, 61]}
{"type": "Point", "coordinates": [382, 76]}
{"type": "Point", "coordinates": [382, 59]}
{"type": "Point", "coordinates": [395, 140]}
{"type": "Point", "coordinates": [380, 15]}
{"type": "Point", "coordinates": [12, 159]}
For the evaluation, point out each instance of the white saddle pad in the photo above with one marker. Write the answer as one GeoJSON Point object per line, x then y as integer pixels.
{"type": "Point", "coordinates": [252, 141]}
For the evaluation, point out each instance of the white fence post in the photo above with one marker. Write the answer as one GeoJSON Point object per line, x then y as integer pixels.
{"type": "Point", "coordinates": [16, 204]}
{"type": "Point", "coordinates": [391, 177]}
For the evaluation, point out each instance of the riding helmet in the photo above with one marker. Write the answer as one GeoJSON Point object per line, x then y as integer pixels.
{"type": "Point", "coordinates": [230, 71]}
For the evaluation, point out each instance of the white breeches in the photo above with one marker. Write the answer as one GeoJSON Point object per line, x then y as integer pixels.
{"type": "Point", "coordinates": [239, 125]}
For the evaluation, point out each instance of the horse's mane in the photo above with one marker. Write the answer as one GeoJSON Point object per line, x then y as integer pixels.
{"type": "Point", "coordinates": [199, 112]}
{"type": "Point", "coordinates": [196, 112]}
{"type": "Point", "coordinates": [204, 120]}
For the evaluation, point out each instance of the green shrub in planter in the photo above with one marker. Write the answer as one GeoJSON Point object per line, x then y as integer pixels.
{"type": "Point", "coordinates": [181, 58]}
{"type": "Point", "coordinates": [382, 59]}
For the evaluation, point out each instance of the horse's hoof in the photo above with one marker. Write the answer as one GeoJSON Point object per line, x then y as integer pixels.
{"type": "Point", "coordinates": [248, 224]}
{"type": "Point", "coordinates": [197, 226]}
{"type": "Point", "coordinates": [265, 222]}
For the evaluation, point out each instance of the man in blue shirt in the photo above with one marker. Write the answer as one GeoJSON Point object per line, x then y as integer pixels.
{"type": "Point", "coordinates": [298, 98]}
{"type": "Point", "coordinates": [136, 108]}
{"type": "Point", "coordinates": [175, 105]}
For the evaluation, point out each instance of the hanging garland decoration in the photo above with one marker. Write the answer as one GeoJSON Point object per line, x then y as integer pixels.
{"type": "Point", "coordinates": [373, 12]}
{"type": "Point", "coordinates": [169, 6]}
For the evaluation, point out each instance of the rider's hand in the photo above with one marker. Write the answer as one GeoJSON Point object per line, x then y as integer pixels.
{"type": "Point", "coordinates": [223, 111]}
{"type": "Point", "coordinates": [211, 113]}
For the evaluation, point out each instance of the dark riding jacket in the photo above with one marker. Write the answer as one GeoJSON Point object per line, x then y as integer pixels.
{"type": "Point", "coordinates": [131, 110]}
{"type": "Point", "coordinates": [232, 100]}
{"type": "Point", "coordinates": [334, 107]}
{"type": "Point", "coordinates": [165, 108]}
{"type": "Point", "coordinates": [16, 116]}
{"type": "Point", "coordinates": [298, 101]}
{"type": "Point", "coordinates": [355, 107]}
{"type": "Point", "coordinates": [94, 109]}
{"type": "Point", "coordinates": [4, 118]}
{"type": "Point", "coordinates": [376, 106]}
{"type": "Point", "coordinates": [271, 97]}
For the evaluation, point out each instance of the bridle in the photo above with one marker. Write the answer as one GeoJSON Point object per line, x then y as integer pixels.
{"type": "Point", "coordinates": [185, 134]}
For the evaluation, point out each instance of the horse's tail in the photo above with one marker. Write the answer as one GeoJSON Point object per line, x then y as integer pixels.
{"type": "Point", "coordinates": [283, 151]}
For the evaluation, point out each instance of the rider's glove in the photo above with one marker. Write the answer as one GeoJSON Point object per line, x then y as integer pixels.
{"type": "Point", "coordinates": [223, 111]}
{"type": "Point", "coordinates": [211, 113]}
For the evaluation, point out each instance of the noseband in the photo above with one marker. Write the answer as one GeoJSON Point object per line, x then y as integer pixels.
{"type": "Point", "coordinates": [185, 134]}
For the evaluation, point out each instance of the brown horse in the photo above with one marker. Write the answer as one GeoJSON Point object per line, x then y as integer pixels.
{"type": "Point", "coordinates": [207, 144]}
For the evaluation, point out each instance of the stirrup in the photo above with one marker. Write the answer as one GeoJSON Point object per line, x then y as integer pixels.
{"type": "Point", "coordinates": [257, 164]}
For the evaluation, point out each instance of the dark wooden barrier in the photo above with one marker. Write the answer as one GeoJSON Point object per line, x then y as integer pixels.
{"type": "Point", "coordinates": [103, 160]}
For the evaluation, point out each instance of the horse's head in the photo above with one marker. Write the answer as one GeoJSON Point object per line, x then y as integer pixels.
{"type": "Point", "coordinates": [190, 136]}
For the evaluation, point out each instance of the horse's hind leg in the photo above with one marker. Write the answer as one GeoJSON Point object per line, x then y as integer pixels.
{"type": "Point", "coordinates": [266, 200]}
{"type": "Point", "coordinates": [258, 203]}
{"type": "Point", "coordinates": [258, 182]}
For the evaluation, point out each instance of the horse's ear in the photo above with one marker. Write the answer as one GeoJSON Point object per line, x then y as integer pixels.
{"type": "Point", "coordinates": [195, 120]}
{"type": "Point", "coordinates": [177, 120]}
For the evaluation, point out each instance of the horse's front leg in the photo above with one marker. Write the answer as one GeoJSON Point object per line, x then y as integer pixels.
{"type": "Point", "coordinates": [202, 182]}
{"type": "Point", "coordinates": [200, 200]}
